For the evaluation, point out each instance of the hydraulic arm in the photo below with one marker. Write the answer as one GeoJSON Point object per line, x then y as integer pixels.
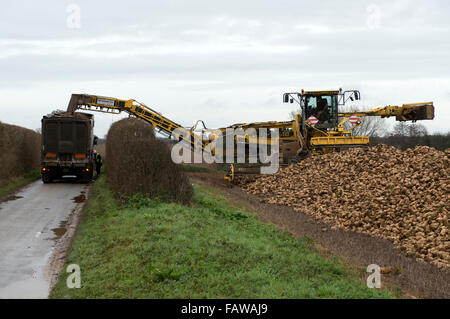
{"type": "Point", "coordinates": [317, 129]}
{"type": "Point", "coordinates": [406, 112]}
{"type": "Point", "coordinates": [116, 106]}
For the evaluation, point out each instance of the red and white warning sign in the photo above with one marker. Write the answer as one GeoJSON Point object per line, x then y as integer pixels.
{"type": "Point", "coordinates": [312, 120]}
{"type": "Point", "coordinates": [354, 120]}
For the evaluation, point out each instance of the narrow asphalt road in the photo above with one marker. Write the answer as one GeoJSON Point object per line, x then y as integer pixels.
{"type": "Point", "coordinates": [32, 221]}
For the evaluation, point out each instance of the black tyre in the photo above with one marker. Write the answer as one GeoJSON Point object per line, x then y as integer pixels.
{"type": "Point", "coordinates": [46, 179]}
{"type": "Point", "coordinates": [87, 178]}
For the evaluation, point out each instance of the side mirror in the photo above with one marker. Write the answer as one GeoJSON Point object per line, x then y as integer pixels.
{"type": "Point", "coordinates": [291, 101]}
{"type": "Point", "coordinates": [357, 95]}
{"type": "Point", "coordinates": [286, 98]}
{"type": "Point", "coordinates": [95, 140]}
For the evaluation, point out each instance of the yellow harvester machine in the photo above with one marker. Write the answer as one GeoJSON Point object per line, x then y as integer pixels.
{"type": "Point", "coordinates": [317, 128]}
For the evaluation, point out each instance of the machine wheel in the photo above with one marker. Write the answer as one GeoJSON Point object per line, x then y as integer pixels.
{"type": "Point", "coordinates": [300, 157]}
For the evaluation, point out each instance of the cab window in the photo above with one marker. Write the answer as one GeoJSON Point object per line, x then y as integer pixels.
{"type": "Point", "coordinates": [324, 108]}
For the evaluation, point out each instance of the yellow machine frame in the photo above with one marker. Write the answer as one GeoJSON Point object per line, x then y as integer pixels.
{"type": "Point", "coordinates": [307, 138]}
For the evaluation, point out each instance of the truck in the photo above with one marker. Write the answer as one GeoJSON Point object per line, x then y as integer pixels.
{"type": "Point", "coordinates": [67, 146]}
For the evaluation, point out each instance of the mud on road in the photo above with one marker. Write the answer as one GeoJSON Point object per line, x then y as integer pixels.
{"type": "Point", "coordinates": [36, 226]}
{"type": "Point", "coordinates": [417, 279]}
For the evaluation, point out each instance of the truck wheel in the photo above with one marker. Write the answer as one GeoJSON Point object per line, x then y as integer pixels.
{"type": "Point", "coordinates": [87, 178]}
{"type": "Point", "coordinates": [46, 179]}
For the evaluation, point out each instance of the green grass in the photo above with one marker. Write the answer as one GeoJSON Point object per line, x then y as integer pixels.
{"type": "Point", "coordinates": [195, 168]}
{"type": "Point", "coordinates": [202, 169]}
{"type": "Point", "coordinates": [11, 185]}
{"type": "Point", "coordinates": [151, 249]}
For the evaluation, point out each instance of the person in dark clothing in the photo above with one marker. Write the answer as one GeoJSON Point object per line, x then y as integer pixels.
{"type": "Point", "coordinates": [322, 113]}
{"type": "Point", "coordinates": [98, 163]}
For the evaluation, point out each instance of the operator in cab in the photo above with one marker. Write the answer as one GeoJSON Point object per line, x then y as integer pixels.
{"type": "Point", "coordinates": [322, 110]}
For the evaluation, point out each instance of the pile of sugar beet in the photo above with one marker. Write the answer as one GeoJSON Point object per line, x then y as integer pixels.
{"type": "Point", "coordinates": [402, 196]}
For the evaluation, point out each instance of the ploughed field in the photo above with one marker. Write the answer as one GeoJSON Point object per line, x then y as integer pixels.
{"type": "Point", "coordinates": [402, 196]}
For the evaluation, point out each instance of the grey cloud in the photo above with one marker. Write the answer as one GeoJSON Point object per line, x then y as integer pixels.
{"type": "Point", "coordinates": [241, 54]}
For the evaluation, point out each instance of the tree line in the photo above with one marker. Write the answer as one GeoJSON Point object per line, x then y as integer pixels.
{"type": "Point", "coordinates": [408, 135]}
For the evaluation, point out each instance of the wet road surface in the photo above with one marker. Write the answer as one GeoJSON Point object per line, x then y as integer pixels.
{"type": "Point", "coordinates": [31, 223]}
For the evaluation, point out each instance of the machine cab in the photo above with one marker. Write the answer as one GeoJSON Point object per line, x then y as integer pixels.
{"type": "Point", "coordinates": [323, 105]}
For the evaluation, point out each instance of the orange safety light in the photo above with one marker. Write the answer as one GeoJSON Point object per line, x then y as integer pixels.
{"type": "Point", "coordinates": [50, 155]}
{"type": "Point", "coordinates": [80, 156]}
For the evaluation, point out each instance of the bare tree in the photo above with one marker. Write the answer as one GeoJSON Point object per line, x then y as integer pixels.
{"type": "Point", "coordinates": [404, 135]}
{"type": "Point", "coordinates": [400, 129]}
{"type": "Point", "coordinates": [412, 130]}
{"type": "Point", "coordinates": [292, 114]}
{"type": "Point", "coordinates": [371, 125]}
{"type": "Point", "coordinates": [417, 130]}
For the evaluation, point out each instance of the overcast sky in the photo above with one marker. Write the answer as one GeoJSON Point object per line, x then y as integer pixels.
{"type": "Point", "coordinates": [221, 61]}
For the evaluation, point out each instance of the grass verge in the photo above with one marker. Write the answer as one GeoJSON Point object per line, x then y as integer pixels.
{"type": "Point", "coordinates": [14, 183]}
{"type": "Point", "coordinates": [195, 168]}
{"type": "Point", "coordinates": [151, 249]}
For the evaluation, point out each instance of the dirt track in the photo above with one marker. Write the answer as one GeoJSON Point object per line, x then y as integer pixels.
{"type": "Point", "coordinates": [417, 279]}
